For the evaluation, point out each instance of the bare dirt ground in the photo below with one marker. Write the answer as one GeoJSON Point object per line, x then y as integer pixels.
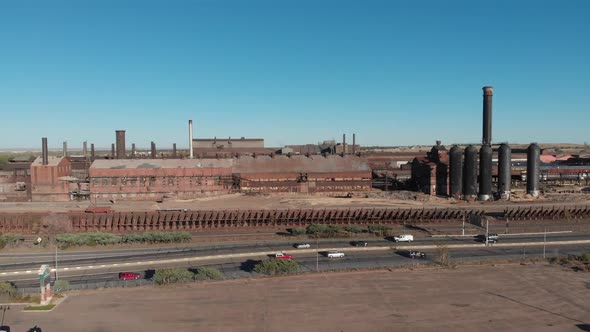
{"type": "Point", "coordinates": [478, 298]}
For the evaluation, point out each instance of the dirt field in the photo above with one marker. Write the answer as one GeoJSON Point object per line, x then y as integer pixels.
{"type": "Point", "coordinates": [481, 298]}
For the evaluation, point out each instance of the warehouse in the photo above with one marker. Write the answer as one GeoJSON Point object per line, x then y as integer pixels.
{"type": "Point", "coordinates": [156, 179]}
{"type": "Point", "coordinates": [302, 174]}
{"type": "Point", "coordinates": [50, 179]}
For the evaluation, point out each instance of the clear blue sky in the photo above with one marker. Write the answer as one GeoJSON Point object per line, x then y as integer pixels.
{"type": "Point", "coordinates": [395, 72]}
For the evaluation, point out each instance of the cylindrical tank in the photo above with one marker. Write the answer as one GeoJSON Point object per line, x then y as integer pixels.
{"type": "Point", "coordinates": [504, 171]}
{"type": "Point", "coordinates": [532, 169]}
{"type": "Point", "coordinates": [470, 173]}
{"type": "Point", "coordinates": [485, 173]}
{"type": "Point", "coordinates": [456, 171]}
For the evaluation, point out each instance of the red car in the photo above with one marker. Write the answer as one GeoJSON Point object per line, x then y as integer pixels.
{"type": "Point", "coordinates": [129, 276]}
{"type": "Point", "coordinates": [281, 255]}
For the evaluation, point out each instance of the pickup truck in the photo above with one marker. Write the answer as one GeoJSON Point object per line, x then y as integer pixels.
{"type": "Point", "coordinates": [281, 255]}
{"type": "Point", "coordinates": [403, 238]}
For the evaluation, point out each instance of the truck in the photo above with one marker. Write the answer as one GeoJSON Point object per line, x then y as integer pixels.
{"type": "Point", "coordinates": [404, 238]}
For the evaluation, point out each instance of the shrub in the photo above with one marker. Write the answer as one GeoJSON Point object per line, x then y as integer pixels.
{"type": "Point", "coordinates": [61, 285]}
{"type": "Point", "coordinates": [297, 231]}
{"type": "Point", "coordinates": [585, 257]}
{"type": "Point", "coordinates": [354, 229]}
{"type": "Point", "coordinates": [86, 239]}
{"type": "Point", "coordinates": [276, 266]}
{"type": "Point", "coordinates": [7, 288]}
{"type": "Point", "coordinates": [378, 228]}
{"type": "Point", "coordinates": [172, 276]}
{"type": "Point", "coordinates": [319, 230]}
{"type": "Point", "coordinates": [157, 237]}
{"type": "Point", "coordinates": [10, 239]}
{"type": "Point", "coordinates": [208, 273]}
{"type": "Point", "coordinates": [314, 229]}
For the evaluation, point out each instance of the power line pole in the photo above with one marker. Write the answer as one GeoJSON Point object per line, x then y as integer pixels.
{"type": "Point", "coordinates": [56, 276]}
{"type": "Point", "coordinates": [317, 254]}
{"type": "Point", "coordinates": [544, 240]}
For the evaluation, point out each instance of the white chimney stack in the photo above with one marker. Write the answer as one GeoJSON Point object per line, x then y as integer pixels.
{"type": "Point", "coordinates": [190, 139]}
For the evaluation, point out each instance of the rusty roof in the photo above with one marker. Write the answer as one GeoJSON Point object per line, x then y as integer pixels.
{"type": "Point", "coordinates": [301, 164]}
{"type": "Point", "coordinates": [160, 163]}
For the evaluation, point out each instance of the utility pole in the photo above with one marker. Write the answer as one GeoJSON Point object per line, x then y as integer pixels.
{"type": "Point", "coordinates": [317, 254]}
{"type": "Point", "coordinates": [544, 240]}
{"type": "Point", "coordinates": [487, 230]}
{"type": "Point", "coordinates": [463, 233]}
{"type": "Point", "coordinates": [4, 308]}
{"type": "Point", "coordinates": [56, 276]}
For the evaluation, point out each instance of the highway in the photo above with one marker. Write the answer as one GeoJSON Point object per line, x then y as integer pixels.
{"type": "Point", "coordinates": [235, 260]}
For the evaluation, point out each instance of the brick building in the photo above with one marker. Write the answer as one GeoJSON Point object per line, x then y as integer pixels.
{"type": "Point", "coordinates": [156, 179]}
{"type": "Point", "coordinates": [50, 182]}
{"type": "Point", "coordinates": [302, 174]}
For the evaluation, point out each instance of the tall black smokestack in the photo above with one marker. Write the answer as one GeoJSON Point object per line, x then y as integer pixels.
{"type": "Point", "coordinates": [84, 149]}
{"type": "Point", "coordinates": [65, 149]}
{"type": "Point", "coordinates": [153, 150]}
{"type": "Point", "coordinates": [44, 151]}
{"type": "Point", "coordinates": [353, 143]}
{"type": "Point", "coordinates": [120, 139]}
{"type": "Point", "coordinates": [132, 150]}
{"type": "Point", "coordinates": [173, 150]}
{"type": "Point", "coordinates": [488, 93]}
{"type": "Point", "coordinates": [343, 143]}
{"type": "Point", "coordinates": [92, 151]}
{"type": "Point", "coordinates": [113, 150]}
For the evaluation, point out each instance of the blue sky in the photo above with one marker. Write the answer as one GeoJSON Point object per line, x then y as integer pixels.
{"type": "Point", "coordinates": [393, 72]}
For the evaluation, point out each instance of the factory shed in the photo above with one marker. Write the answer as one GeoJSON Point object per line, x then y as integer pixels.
{"type": "Point", "coordinates": [156, 179]}
{"type": "Point", "coordinates": [47, 179]}
{"type": "Point", "coordinates": [313, 174]}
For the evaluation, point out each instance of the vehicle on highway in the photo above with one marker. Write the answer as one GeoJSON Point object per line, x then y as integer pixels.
{"type": "Point", "coordinates": [129, 276]}
{"type": "Point", "coordinates": [334, 254]}
{"type": "Point", "coordinates": [282, 255]}
{"type": "Point", "coordinates": [492, 238]}
{"type": "Point", "coordinates": [302, 245]}
{"type": "Point", "coordinates": [359, 243]}
{"type": "Point", "coordinates": [403, 238]}
{"type": "Point", "coordinates": [416, 254]}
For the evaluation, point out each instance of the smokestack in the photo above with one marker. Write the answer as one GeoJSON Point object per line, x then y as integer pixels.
{"type": "Point", "coordinates": [533, 162]}
{"type": "Point", "coordinates": [343, 143]}
{"type": "Point", "coordinates": [132, 150]}
{"type": "Point", "coordinates": [353, 143]}
{"type": "Point", "coordinates": [190, 139]}
{"type": "Point", "coordinates": [44, 151]}
{"type": "Point", "coordinates": [174, 150]}
{"type": "Point", "coordinates": [65, 149]}
{"type": "Point", "coordinates": [84, 149]}
{"type": "Point", "coordinates": [113, 150]}
{"type": "Point", "coordinates": [488, 93]}
{"type": "Point", "coordinates": [153, 150]}
{"type": "Point", "coordinates": [120, 139]}
{"type": "Point", "coordinates": [92, 151]}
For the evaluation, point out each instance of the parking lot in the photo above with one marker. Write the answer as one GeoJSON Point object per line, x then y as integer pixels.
{"type": "Point", "coordinates": [476, 298]}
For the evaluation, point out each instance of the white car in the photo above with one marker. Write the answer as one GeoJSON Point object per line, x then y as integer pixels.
{"type": "Point", "coordinates": [302, 245]}
{"type": "Point", "coordinates": [335, 254]}
{"type": "Point", "coordinates": [404, 238]}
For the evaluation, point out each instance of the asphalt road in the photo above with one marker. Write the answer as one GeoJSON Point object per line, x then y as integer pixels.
{"type": "Point", "coordinates": [28, 261]}
{"type": "Point", "coordinates": [238, 267]}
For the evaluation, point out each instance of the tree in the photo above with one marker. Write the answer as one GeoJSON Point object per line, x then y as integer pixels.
{"type": "Point", "coordinates": [207, 273]}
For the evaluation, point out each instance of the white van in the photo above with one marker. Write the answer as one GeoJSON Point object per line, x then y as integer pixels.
{"type": "Point", "coordinates": [335, 254]}
{"type": "Point", "coordinates": [404, 238]}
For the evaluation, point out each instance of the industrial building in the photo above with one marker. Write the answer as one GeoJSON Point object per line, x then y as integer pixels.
{"type": "Point", "coordinates": [302, 174]}
{"type": "Point", "coordinates": [157, 179]}
{"type": "Point", "coordinates": [50, 179]}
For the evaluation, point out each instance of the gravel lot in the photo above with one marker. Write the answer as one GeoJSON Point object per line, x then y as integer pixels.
{"type": "Point", "coordinates": [476, 298]}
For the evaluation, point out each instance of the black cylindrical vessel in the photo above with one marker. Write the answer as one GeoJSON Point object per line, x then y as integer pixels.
{"type": "Point", "coordinates": [485, 173]}
{"type": "Point", "coordinates": [470, 173]}
{"type": "Point", "coordinates": [488, 93]}
{"type": "Point", "coordinates": [456, 172]}
{"type": "Point", "coordinates": [504, 171]}
{"type": "Point", "coordinates": [533, 161]}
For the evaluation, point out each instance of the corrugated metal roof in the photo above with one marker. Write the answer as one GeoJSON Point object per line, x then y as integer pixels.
{"type": "Point", "coordinates": [160, 163]}
{"type": "Point", "coordinates": [300, 164]}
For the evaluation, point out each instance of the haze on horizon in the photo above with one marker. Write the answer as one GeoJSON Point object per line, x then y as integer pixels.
{"type": "Point", "coordinates": [394, 73]}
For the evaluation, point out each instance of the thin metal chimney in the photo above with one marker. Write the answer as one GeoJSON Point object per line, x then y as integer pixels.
{"type": "Point", "coordinates": [153, 150]}
{"type": "Point", "coordinates": [132, 150]}
{"type": "Point", "coordinates": [120, 139]}
{"type": "Point", "coordinates": [113, 150]}
{"type": "Point", "coordinates": [44, 152]}
{"type": "Point", "coordinates": [488, 93]}
{"type": "Point", "coordinates": [173, 150]}
{"type": "Point", "coordinates": [92, 151]}
{"type": "Point", "coordinates": [353, 143]}
{"type": "Point", "coordinates": [65, 149]}
{"type": "Point", "coordinates": [190, 139]}
{"type": "Point", "coordinates": [343, 143]}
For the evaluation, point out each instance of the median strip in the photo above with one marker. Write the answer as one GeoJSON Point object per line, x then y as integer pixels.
{"type": "Point", "coordinates": [308, 251]}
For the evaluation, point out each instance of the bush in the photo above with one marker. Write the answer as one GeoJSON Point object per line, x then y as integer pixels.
{"type": "Point", "coordinates": [208, 273]}
{"type": "Point", "coordinates": [585, 257]}
{"type": "Point", "coordinates": [276, 266]}
{"type": "Point", "coordinates": [61, 285]}
{"type": "Point", "coordinates": [157, 237]}
{"type": "Point", "coordinates": [172, 276]}
{"type": "Point", "coordinates": [7, 289]}
{"type": "Point", "coordinates": [354, 229]}
{"type": "Point", "coordinates": [297, 231]}
{"type": "Point", "coordinates": [86, 239]}
{"type": "Point", "coordinates": [314, 229]}
{"type": "Point", "coordinates": [11, 240]}
{"type": "Point", "coordinates": [378, 228]}
{"type": "Point", "coordinates": [319, 230]}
